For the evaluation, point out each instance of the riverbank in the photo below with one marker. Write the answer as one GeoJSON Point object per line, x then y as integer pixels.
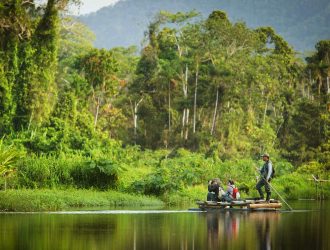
{"type": "Point", "coordinates": [33, 200]}
{"type": "Point", "coordinates": [29, 200]}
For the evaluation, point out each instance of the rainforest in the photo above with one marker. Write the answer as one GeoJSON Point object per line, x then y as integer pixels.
{"type": "Point", "coordinates": [203, 98]}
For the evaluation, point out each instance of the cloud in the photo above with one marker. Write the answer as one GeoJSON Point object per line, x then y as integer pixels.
{"type": "Point", "coordinates": [86, 6]}
{"type": "Point", "coordinates": [89, 6]}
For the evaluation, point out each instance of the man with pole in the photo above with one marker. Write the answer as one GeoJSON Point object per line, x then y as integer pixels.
{"type": "Point", "coordinates": [265, 174]}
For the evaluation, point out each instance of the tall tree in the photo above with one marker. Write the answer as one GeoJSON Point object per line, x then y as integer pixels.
{"type": "Point", "coordinates": [99, 67]}
{"type": "Point", "coordinates": [13, 29]}
{"type": "Point", "coordinates": [42, 95]}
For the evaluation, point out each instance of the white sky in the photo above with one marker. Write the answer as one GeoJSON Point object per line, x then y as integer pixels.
{"type": "Point", "coordinates": [89, 6]}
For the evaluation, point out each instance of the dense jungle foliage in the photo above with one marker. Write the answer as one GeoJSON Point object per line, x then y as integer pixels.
{"type": "Point", "coordinates": [204, 98]}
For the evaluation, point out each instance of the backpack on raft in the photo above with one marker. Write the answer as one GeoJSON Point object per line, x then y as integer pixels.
{"type": "Point", "coordinates": [236, 194]}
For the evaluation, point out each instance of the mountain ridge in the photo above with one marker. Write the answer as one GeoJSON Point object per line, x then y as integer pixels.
{"type": "Point", "coordinates": [302, 23]}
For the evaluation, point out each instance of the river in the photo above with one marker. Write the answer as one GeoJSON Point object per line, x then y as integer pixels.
{"type": "Point", "coordinates": [308, 227]}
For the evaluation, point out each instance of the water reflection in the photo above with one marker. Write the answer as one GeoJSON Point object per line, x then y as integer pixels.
{"type": "Point", "coordinates": [231, 225]}
{"type": "Point", "coordinates": [223, 229]}
{"type": "Point", "coordinates": [263, 231]}
{"type": "Point", "coordinates": [166, 230]}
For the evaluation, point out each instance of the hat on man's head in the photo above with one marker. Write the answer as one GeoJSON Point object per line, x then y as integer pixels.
{"type": "Point", "coordinates": [265, 155]}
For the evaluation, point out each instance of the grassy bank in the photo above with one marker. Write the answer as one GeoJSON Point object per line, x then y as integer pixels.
{"type": "Point", "coordinates": [27, 200]}
{"type": "Point", "coordinates": [73, 180]}
{"type": "Point", "coordinates": [291, 187]}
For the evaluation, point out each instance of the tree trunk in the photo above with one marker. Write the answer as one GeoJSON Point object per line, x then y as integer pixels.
{"type": "Point", "coordinates": [135, 117]}
{"type": "Point", "coordinates": [195, 99]}
{"type": "Point", "coordinates": [265, 111]}
{"type": "Point", "coordinates": [328, 85]}
{"type": "Point", "coordinates": [30, 120]}
{"type": "Point", "coordinates": [185, 115]}
{"type": "Point", "coordinates": [215, 111]}
{"type": "Point", "coordinates": [97, 112]}
{"type": "Point", "coordinates": [310, 84]}
{"type": "Point", "coordinates": [320, 86]}
{"type": "Point", "coordinates": [135, 120]}
{"type": "Point", "coordinates": [187, 130]}
{"type": "Point", "coordinates": [308, 92]}
{"type": "Point", "coordinates": [169, 106]}
{"type": "Point", "coordinates": [303, 88]}
{"type": "Point", "coordinates": [183, 122]}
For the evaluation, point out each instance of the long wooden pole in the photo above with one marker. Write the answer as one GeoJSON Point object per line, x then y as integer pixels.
{"type": "Point", "coordinates": [277, 193]}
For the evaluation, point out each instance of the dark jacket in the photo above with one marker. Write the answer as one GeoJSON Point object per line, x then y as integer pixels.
{"type": "Point", "coordinates": [266, 170]}
{"type": "Point", "coordinates": [214, 188]}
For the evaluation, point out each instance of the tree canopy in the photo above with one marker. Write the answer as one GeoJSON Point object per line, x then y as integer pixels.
{"type": "Point", "coordinates": [207, 84]}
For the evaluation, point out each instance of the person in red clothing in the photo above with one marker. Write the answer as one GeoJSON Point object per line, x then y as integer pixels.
{"type": "Point", "coordinates": [231, 192]}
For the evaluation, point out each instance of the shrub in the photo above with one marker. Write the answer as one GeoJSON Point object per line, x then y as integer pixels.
{"type": "Point", "coordinates": [47, 170]}
{"type": "Point", "coordinates": [9, 157]}
{"type": "Point", "coordinates": [100, 173]}
{"type": "Point", "coordinates": [314, 168]}
{"type": "Point", "coordinates": [294, 186]}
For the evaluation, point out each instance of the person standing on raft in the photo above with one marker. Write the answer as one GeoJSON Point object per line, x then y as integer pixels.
{"type": "Point", "coordinates": [265, 174]}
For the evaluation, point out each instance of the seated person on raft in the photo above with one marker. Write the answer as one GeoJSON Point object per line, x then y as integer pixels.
{"type": "Point", "coordinates": [231, 192]}
{"type": "Point", "coordinates": [214, 189]}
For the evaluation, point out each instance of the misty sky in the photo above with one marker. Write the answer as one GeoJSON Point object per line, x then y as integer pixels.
{"type": "Point", "coordinates": [92, 6]}
{"type": "Point", "coordinates": [87, 6]}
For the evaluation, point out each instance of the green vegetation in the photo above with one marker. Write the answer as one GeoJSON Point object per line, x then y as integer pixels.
{"type": "Point", "coordinates": [52, 200]}
{"type": "Point", "coordinates": [176, 178]}
{"type": "Point", "coordinates": [204, 99]}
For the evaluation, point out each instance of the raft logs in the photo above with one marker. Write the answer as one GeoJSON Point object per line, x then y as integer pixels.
{"type": "Point", "coordinates": [264, 205]}
{"type": "Point", "coordinates": [250, 205]}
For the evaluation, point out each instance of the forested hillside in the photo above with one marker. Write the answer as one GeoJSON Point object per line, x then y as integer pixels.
{"type": "Point", "coordinates": [301, 23]}
{"type": "Point", "coordinates": [201, 99]}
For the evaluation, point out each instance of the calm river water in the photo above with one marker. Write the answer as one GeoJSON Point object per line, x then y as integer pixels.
{"type": "Point", "coordinates": [168, 229]}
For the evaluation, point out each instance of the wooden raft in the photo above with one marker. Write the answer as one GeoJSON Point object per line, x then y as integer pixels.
{"type": "Point", "coordinates": [247, 205]}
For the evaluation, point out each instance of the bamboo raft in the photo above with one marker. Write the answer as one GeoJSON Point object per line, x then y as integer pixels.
{"type": "Point", "coordinates": [240, 205]}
